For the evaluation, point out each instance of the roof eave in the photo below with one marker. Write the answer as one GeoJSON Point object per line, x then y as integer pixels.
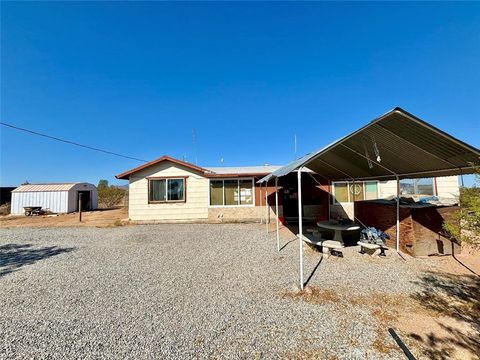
{"type": "Point", "coordinates": [215, 175]}
{"type": "Point", "coordinates": [126, 175]}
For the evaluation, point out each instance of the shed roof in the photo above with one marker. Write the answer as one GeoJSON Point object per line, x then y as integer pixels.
{"type": "Point", "coordinates": [395, 144]}
{"type": "Point", "coordinates": [45, 187]}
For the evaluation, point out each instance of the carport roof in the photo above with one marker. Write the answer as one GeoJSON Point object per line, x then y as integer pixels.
{"type": "Point", "coordinates": [395, 144]}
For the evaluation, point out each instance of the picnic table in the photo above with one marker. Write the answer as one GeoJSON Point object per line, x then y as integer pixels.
{"type": "Point", "coordinates": [337, 228]}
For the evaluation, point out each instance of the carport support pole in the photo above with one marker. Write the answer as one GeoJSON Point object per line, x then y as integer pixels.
{"type": "Point", "coordinates": [398, 215]}
{"type": "Point", "coordinates": [266, 205]}
{"type": "Point", "coordinates": [80, 207]}
{"type": "Point", "coordinates": [276, 212]}
{"type": "Point", "coordinates": [300, 224]}
{"type": "Point", "coordinates": [261, 205]}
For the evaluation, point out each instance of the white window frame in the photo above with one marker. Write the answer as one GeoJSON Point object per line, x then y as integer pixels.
{"type": "Point", "coordinates": [334, 200]}
{"type": "Point", "coordinates": [167, 179]}
{"type": "Point", "coordinates": [434, 187]}
{"type": "Point", "coordinates": [238, 187]}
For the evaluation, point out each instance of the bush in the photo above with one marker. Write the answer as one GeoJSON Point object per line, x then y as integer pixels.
{"type": "Point", "coordinates": [110, 196]}
{"type": "Point", "coordinates": [465, 226]}
{"type": "Point", "coordinates": [5, 209]}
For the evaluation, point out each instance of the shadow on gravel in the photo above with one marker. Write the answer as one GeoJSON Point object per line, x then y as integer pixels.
{"type": "Point", "coordinates": [14, 256]}
{"type": "Point", "coordinates": [313, 272]}
{"type": "Point", "coordinates": [454, 296]}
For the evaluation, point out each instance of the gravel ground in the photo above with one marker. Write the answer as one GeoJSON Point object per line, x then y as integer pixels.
{"type": "Point", "coordinates": [184, 291]}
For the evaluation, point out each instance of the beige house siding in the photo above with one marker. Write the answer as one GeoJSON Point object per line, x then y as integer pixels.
{"type": "Point", "coordinates": [195, 207]}
{"type": "Point", "coordinates": [387, 189]}
{"type": "Point", "coordinates": [448, 186]}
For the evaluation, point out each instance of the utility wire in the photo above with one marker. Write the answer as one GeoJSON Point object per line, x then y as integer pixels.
{"type": "Point", "coordinates": [70, 142]}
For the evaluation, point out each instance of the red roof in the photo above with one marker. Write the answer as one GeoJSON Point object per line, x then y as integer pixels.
{"type": "Point", "coordinates": [211, 173]}
{"type": "Point", "coordinates": [125, 175]}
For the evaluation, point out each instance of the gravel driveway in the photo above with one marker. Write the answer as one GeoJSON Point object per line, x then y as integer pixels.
{"type": "Point", "coordinates": [184, 291]}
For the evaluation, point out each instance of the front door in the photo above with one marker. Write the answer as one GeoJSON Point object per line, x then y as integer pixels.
{"type": "Point", "coordinates": [290, 203]}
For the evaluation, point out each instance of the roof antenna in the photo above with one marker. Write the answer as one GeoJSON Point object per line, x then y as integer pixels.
{"type": "Point", "coordinates": [295, 146]}
{"type": "Point", "coordinates": [194, 142]}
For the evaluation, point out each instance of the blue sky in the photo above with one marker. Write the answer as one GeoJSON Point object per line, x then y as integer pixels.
{"type": "Point", "coordinates": [136, 78]}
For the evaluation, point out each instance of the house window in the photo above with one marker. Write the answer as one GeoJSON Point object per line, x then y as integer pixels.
{"type": "Point", "coordinates": [345, 192]}
{"type": "Point", "coordinates": [417, 187]}
{"type": "Point", "coordinates": [166, 190]}
{"type": "Point", "coordinates": [246, 192]}
{"type": "Point", "coordinates": [231, 192]}
{"type": "Point", "coordinates": [216, 192]}
{"type": "Point", "coordinates": [230, 189]}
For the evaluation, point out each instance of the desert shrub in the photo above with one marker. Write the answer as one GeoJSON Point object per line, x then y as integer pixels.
{"type": "Point", "coordinates": [110, 196]}
{"type": "Point", "coordinates": [5, 209]}
{"type": "Point", "coordinates": [465, 225]}
{"type": "Point", "coordinates": [118, 223]}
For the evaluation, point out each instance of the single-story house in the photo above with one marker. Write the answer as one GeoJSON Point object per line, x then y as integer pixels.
{"type": "Point", "coordinates": [57, 198]}
{"type": "Point", "coordinates": [170, 190]}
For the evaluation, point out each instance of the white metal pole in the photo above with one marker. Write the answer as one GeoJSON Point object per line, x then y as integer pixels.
{"type": "Point", "coordinates": [261, 204]}
{"type": "Point", "coordinates": [266, 205]}
{"type": "Point", "coordinates": [330, 198]}
{"type": "Point", "coordinates": [276, 212]}
{"type": "Point", "coordinates": [300, 224]}
{"type": "Point", "coordinates": [353, 202]}
{"type": "Point", "coordinates": [398, 215]}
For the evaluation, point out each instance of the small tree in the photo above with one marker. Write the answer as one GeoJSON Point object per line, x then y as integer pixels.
{"type": "Point", "coordinates": [465, 226]}
{"type": "Point", "coordinates": [102, 184]}
{"type": "Point", "coordinates": [109, 196]}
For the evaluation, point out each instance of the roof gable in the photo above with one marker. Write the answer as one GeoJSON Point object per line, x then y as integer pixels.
{"type": "Point", "coordinates": [214, 172]}
{"type": "Point", "coordinates": [125, 175]}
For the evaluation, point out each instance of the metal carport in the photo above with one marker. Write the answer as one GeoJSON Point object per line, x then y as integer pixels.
{"type": "Point", "coordinates": [395, 145]}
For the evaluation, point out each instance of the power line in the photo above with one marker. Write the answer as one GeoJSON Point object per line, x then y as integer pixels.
{"type": "Point", "coordinates": [71, 142]}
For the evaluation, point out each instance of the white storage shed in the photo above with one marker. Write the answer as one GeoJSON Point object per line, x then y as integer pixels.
{"type": "Point", "coordinates": [57, 198]}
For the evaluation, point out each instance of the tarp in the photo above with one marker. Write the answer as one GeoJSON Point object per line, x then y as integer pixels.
{"type": "Point", "coordinates": [395, 144]}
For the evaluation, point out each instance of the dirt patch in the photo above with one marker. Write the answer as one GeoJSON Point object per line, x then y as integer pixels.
{"type": "Point", "coordinates": [309, 355]}
{"type": "Point", "coordinates": [446, 321]}
{"type": "Point", "coordinates": [439, 337]}
{"type": "Point", "coordinates": [98, 218]}
{"type": "Point", "coordinates": [384, 308]}
{"type": "Point", "coordinates": [313, 295]}
{"type": "Point", "coordinates": [441, 321]}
